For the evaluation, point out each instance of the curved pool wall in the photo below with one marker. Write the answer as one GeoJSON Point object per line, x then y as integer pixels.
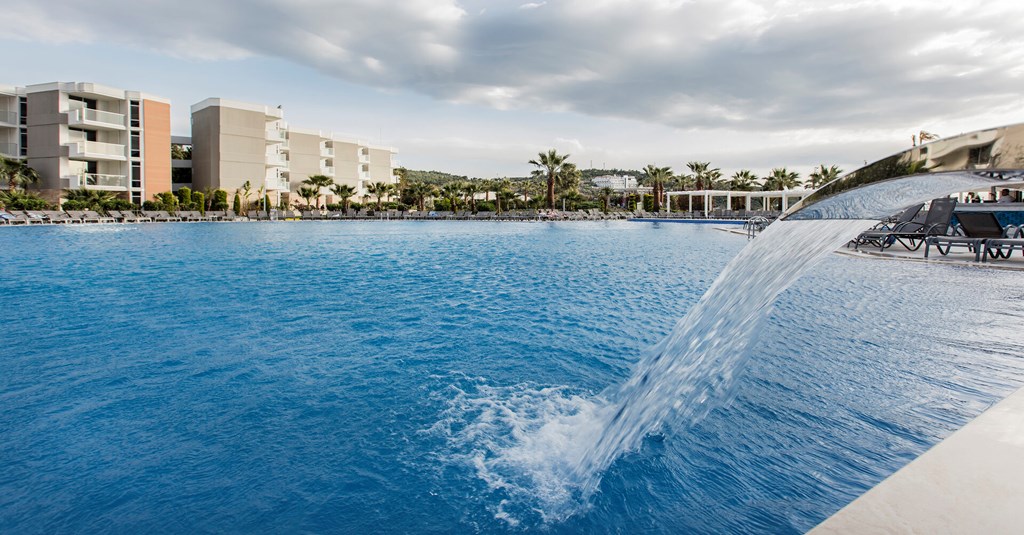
{"type": "Point", "coordinates": [361, 377]}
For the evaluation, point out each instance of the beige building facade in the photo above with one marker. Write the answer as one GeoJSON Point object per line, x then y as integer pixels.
{"type": "Point", "coordinates": [234, 142]}
{"type": "Point", "coordinates": [80, 134]}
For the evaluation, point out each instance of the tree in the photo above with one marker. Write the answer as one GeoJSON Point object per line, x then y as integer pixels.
{"type": "Point", "coordinates": [199, 200]}
{"type": "Point", "coordinates": [550, 163]}
{"type": "Point", "coordinates": [470, 189]}
{"type": "Point", "coordinates": [310, 195]}
{"type": "Point", "coordinates": [379, 190]}
{"type": "Point", "coordinates": [237, 205]}
{"type": "Point", "coordinates": [822, 175]}
{"type": "Point", "coordinates": [246, 191]}
{"type": "Point", "coordinates": [504, 197]}
{"type": "Point", "coordinates": [345, 192]}
{"type": "Point", "coordinates": [220, 200]}
{"type": "Point", "coordinates": [420, 191]}
{"type": "Point", "coordinates": [704, 176]}
{"type": "Point", "coordinates": [568, 179]}
{"type": "Point", "coordinates": [743, 180]}
{"type": "Point", "coordinates": [606, 195]}
{"type": "Point", "coordinates": [17, 173]}
{"type": "Point", "coordinates": [319, 182]}
{"type": "Point", "coordinates": [781, 178]}
{"type": "Point", "coordinates": [657, 176]}
{"type": "Point", "coordinates": [20, 200]}
{"type": "Point", "coordinates": [451, 192]}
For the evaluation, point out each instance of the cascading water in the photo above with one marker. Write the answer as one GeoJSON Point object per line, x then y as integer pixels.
{"type": "Point", "coordinates": [545, 445]}
{"type": "Point", "coordinates": [548, 446]}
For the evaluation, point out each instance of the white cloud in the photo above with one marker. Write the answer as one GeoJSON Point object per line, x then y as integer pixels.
{"type": "Point", "coordinates": [764, 66]}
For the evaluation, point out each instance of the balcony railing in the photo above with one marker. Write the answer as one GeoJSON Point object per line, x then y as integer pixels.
{"type": "Point", "coordinates": [364, 175]}
{"type": "Point", "coordinates": [277, 183]}
{"type": "Point", "coordinates": [276, 135]}
{"type": "Point", "coordinates": [9, 149]}
{"type": "Point", "coordinates": [96, 150]}
{"type": "Point", "coordinates": [327, 170]}
{"type": "Point", "coordinates": [9, 117]}
{"type": "Point", "coordinates": [364, 158]}
{"type": "Point", "coordinates": [95, 181]}
{"type": "Point", "coordinates": [276, 160]}
{"type": "Point", "coordinates": [326, 152]}
{"type": "Point", "coordinates": [98, 118]}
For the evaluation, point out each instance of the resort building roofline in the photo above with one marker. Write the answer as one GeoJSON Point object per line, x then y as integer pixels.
{"type": "Point", "coordinates": [87, 89]}
{"type": "Point", "coordinates": [272, 113]}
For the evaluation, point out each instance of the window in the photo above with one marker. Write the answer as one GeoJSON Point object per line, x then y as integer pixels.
{"type": "Point", "coordinates": [23, 111]}
{"type": "Point", "coordinates": [980, 155]}
{"type": "Point", "coordinates": [24, 141]}
{"type": "Point", "coordinates": [136, 176]}
{"type": "Point", "coordinates": [136, 145]}
{"type": "Point", "coordinates": [136, 122]}
{"type": "Point", "coordinates": [137, 198]}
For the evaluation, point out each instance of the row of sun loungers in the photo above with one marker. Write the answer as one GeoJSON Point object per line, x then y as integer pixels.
{"type": "Point", "coordinates": [977, 232]}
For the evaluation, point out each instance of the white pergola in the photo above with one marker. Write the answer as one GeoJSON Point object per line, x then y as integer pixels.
{"type": "Point", "coordinates": [736, 200]}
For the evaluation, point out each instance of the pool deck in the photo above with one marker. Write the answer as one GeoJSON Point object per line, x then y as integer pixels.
{"type": "Point", "coordinates": [971, 482]}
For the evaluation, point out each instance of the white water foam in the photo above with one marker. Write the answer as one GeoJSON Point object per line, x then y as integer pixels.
{"type": "Point", "coordinates": [548, 447]}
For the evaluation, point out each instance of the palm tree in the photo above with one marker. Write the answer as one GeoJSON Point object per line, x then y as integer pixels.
{"type": "Point", "coordinates": [822, 175]}
{"type": "Point", "coordinates": [310, 195]}
{"type": "Point", "coordinates": [606, 195]}
{"type": "Point", "coordinates": [550, 163]}
{"type": "Point", "coordinates": [345, 192]}
{"type": "Point", "coordinates": [452, 191]}
{"type": "Point", "coordinates": [504, 195]}
{"type": "Point", "coordinates": [744, 180]}
{"type": "Point", "coordinates": [319, 182]}
{"type": "Point", "coordinates": [657, 176]}
{"type": "Point", "coordinates": [380, 190]}
{"type": "Point", "coordinates": [470, 189]}
{"type": "Point", "coordinates": [420, 191]}
{"type": "Point", "coordinates": [17, 173]}
{"type": "Point", "coordinates": [89, 199]}
{"type": "Point", "coordinates": [568, 179]}
{"type": "Point", "coordinates": [780, 178]}
{"type": "Point", "coordinates": [246, 191]}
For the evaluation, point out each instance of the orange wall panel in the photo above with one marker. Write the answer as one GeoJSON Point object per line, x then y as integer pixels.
{"type": "Point", "coordinates": [156, 139]}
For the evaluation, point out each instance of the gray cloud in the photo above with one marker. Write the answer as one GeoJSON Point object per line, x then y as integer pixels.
{"type": "Point", "coordinates": [696, 64]}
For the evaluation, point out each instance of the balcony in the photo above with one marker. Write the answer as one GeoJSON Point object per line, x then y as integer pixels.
{"type": "Point", "coordinates": [9, 149]}
{"type": "Point", "coordinates": [364, 158]}
{"type": "Point", "coordinates": [276, 135]}
{"type": "Point", "coordinates": [95, 150]}
{"type": "Point", "coordinates": [327, 170]}
{"type": "Point", "coordinates": [95, 181]}
{"type": "Point", "coordinates": [9, 118]}
{"type": "Point", "coordinates": [326, 152]}
{"type": "Point", "coordinates": [364, 175]}
{"type": "Point", "coordinates": [276, 183]}
{"type": "Point", "coordinates": [276, 160]}
{"type": "Point", "coordinates": [88, 117]}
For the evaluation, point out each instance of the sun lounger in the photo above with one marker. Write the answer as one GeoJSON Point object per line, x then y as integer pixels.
{"type": "Point", "coordinates": [912, 235]}
{"type": "Point", "coordinates": [10, 218]}
{"type": "Point", "coordinates": [975, 228]}
{"type": "Point", "coordinates": [1004, 247]}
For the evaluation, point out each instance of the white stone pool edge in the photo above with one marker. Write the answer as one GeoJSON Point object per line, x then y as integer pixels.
{"type": "Point", "coordinates": [971, 482]}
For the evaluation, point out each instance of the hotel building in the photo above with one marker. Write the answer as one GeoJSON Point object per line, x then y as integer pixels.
{"type": "Point", "coordinates": [88, 135]}
{"type": "Point", "coordinates": [235, 142]}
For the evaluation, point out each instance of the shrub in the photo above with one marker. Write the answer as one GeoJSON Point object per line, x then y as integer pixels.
{"type": "Point", "coordinates": [199, 200]}
{"type": "Point", "coordinates": [484, 206]}
{"type": "Point", "coordinates": [149, 206]}
{"type": "Point", "coordinates": [442, 205]}
{"type": "Point", "coordinates": [118, 204]}
{"type": "Point", "coordinates": [75, 205]}
{"type": "Point", "coordinates": [237, 205]}
{"type": "Point", "coordinates": [220, 200]}
{"type": "Point", "coordinates": [184, 196]}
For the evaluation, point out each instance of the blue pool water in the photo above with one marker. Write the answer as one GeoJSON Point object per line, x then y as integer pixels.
{"type": "Point", "coordinates": [358, 377]}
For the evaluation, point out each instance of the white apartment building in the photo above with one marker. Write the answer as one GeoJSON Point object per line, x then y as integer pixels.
{"type": "Point", "coordinates": [234, 142]}
{"type": "Point", "coordinates": [81, 134]}
{"type": "Point", "coordinates": [616, 182]}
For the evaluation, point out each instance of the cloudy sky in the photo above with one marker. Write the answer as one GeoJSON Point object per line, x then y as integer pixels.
{"type": "Point", "coordinates": [478, 87]}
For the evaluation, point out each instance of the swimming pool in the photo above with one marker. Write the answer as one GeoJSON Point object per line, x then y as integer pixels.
{"type": "Point", "coordinates": [323, 376]}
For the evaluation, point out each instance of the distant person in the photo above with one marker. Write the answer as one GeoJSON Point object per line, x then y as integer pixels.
{"type": "Point", "coordinates": [973, 197]}
{"type": "Point", "coordinates": [1005, 197]}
